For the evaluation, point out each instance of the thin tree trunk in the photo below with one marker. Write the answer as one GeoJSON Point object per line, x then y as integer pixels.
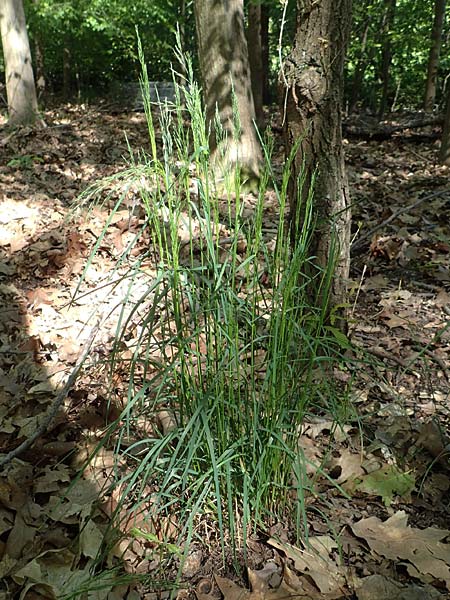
{"type": "Point", "coordinates": [254, 41]}
{"type": "Point", "coordinates": [225, 71]}
{"type": "Point", "coordinates": [67, 73]}
{"type": "Point", "coordinates": [313, 88]}
{"type": "Point", "coordinates": [433, 59]}
{"type": "Point", "coordinates": [39, 59]}
{"type": "Point", "coordinates": [444, 154]}
{"type": "Point", "coordinates": [20, 87]}
{"type": "Point", "coordinates": [386, 54]}
{"type": "Point", "coordinates": [265, 53]}
{"type": "Point", "coordinates": [360, 69]}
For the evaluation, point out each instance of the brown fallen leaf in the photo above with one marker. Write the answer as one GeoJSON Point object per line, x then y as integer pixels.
{"type": "Point", "coordinates": [432, 438]}
{"type": "Point", "coordinates": [378, 587]}
{"type": "Point", "coordinates": [290, 586]}
{"type": "Point", "coordinates": [20, 536]}
{"type": "Point", "coordinates": [386, 247]}
{"type": "Point", "coordinates": [191, 566]}
{"type": "Point", "coordinates": [348, 465]}
{"type": "Point", "coordinates": [232, 591]}
{"type": "Point", "coordinates": [427, 556]}
{"type": "Point", "coordinates": [316, 563]}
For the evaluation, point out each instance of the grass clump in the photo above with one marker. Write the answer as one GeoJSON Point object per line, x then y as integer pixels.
{"type": "Point", "coordinates": [226, 351]}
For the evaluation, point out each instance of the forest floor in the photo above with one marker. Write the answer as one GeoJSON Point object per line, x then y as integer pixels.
{"type": "Point", "coordinates": [392, 456]}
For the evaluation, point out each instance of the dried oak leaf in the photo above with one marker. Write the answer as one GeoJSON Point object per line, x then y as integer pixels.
{"type": "Point", "coordinates": [316, 564]}
{"type": "Point", "coordinates": [260, 590]}
{"type": "Point", "coordinates": [378, 587]}
{"type": "Point", "coordinates": [426, 555]}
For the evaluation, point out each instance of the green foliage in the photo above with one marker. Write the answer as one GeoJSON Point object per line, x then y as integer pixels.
{"type": "Point", "coordinates": [84, 43]}
{"type": "Point", "coordinates": [385, 482]}
{"type": "Point", "coordinates": [24, 161]}
{"type": "Point", "coordinates": [410, 42]}
{"type": "Point", "coordinates": [97, 38]}
{"type": "Point", "coordinates": [88, 44]}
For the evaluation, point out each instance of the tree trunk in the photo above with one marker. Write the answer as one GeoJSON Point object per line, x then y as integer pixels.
{"type": "Point", "coordinates": [361, 66]}
{"type": "Point", "coordinates": [313, 94]}
{"type": "Point", "coordinates": [386, 53]}
{"type": "Point", "coordinates": [39, 59]}
{"type": "Point", "coordinates": [444, 154]}
{"type": "Point", "coordinates": [20, 87]}
{"type": "Point", "coordinates": [255, 56]}
{"type": "Point", "coordinates": [265, 53]}
{"type": "Point", "coordinates": [225, 71]}
{"type": "Point", "coordinates": [433, 59]}
{"type": "Point", "coordinates": [67, 72]}
{"type": "Point", "coordinates": [39, 62]}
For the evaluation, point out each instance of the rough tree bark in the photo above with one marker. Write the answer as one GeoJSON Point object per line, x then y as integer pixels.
{"type": "Point", "coordinates": [255, 56]}
{"type": "Point", "coordinates": [312, 78]}
{"type": "Point", "coordinates": [433, 59]}
{"type": "Point", "coordinates": [20, 87]}
{"type": "Point", "coordinates": [225, 71]}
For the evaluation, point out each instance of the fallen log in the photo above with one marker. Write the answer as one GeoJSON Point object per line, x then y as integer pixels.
{"type": "Point", "coordinates": [370, 128]}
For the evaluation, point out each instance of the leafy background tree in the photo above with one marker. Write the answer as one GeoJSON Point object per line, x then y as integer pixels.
{"type": "Point", "coordinates": [99, 39]}
{"type": "Point", "coordinates": [83, 45]}
{"type": "Point", "coordinates": [409, 35]}
{"type": "Point", "coordinates": [94, 43]}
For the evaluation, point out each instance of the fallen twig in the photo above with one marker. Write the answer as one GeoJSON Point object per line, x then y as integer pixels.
{"type": "Point", "coordinates": [384, 355]}
{"type": "Point", "coordinates": [397, 213]}
{"type": "Point", "coordinates": [372, 129]}
{"type": "Point", "coordinates": [439, 361]}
